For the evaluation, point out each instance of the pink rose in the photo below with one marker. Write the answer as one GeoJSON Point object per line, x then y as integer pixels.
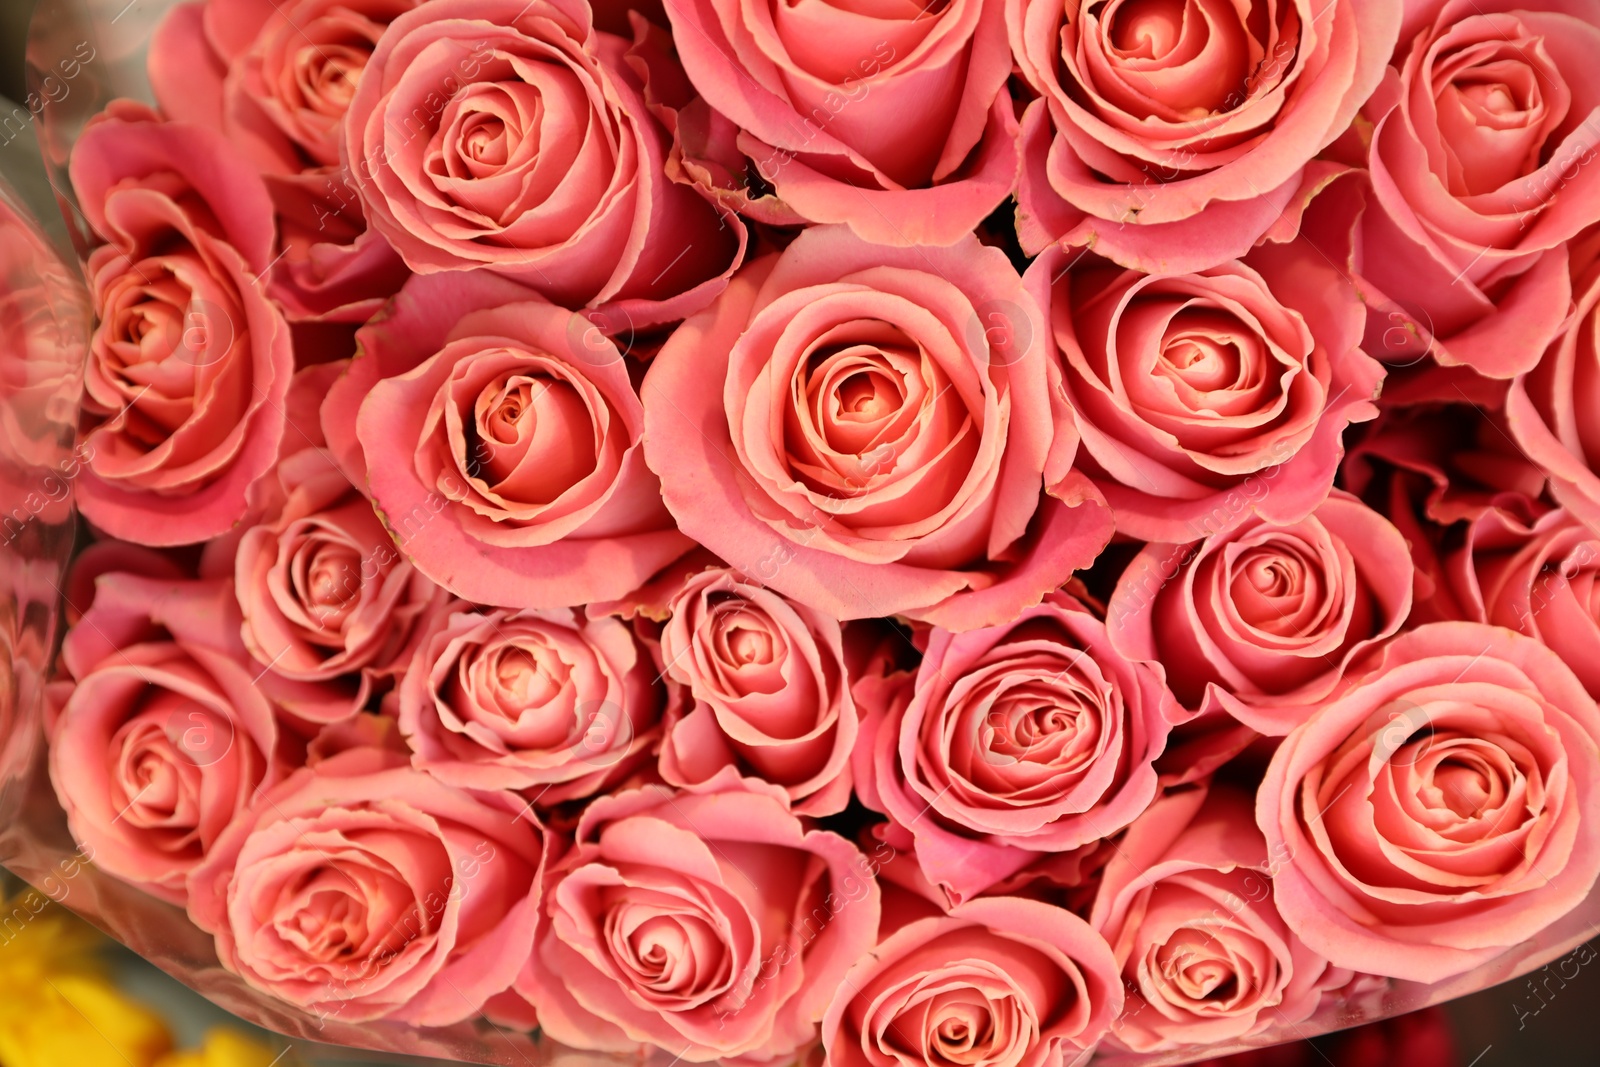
{"type": "Point", "coordinates": [295, 64]}
{"type": "Point", "coordinates": [108, 556]}
{"type": "Point", "coordinates": [882, 665]}
{"type": "Point", "coordinates": [1546, 409]}
{"type": "Point", "coordinates": [334, 269]}
{"type": "Point", "coordinates": [1171, 136]}
{"type": "Point", "coordinates": [509, 431]}
{"type": "Point", "coordinates": [999, 981]}
{"type": "Point", "coordinates": [134, 599]}
{"type": "Point", "coordinates": [1186, 904]}
{"type": "Point", "coordinates": [276, 79]}
{"type": "Point", "coordinates": [1032, 736]}
{"type": "Point", "coordinates": [1261, 619]}
{"type": "Point", "coordinates": [515, 136]}
{"type": "Point", "coordinates": [895, 122]}
{"type": "Point", "coordinates": [362, 890]}
{"type": "Point", "coordinates": [554, 702]}
{"type": "Point", "coordinates": [867, 430]}
{"type": "Point", "coordinates": [190, 363]}
{"type": "Point", "coordinates": [1429, 467]}
{"type": "Point", "coordinates": [769, 693]}
{"type": "Point", "coordinates": [1480, 146]}
{"type": "Point", "coordinates": [1436, 814]}
{"type": "Point", "coordinates": [164, 740]}
{"type": "Point", "coordinates": [709, 924]}
{"type": "Point", "coordinates": [1200, 396]}
{"type": "Point", "coordinates": [1539, 578]}
{"type": "Point", "coordinates": [325, 593]}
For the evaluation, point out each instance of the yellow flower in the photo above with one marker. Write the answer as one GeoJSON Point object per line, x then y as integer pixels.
{"type": "Point", "coordinates": [57, 1006]}
{"type": "Point", "coordinates": [227, 1048]}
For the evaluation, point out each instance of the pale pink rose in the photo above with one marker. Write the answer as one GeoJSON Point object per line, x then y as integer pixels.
{"type": "Point", "coordinates": [325, 593]}
{"type": "Point", "coordinates": [499, 438]}
{"type": "Point", "coordinates": [894, 120]}
{"type": "Point", "coordinates": [1480, 150]}
{"type": "Point", "coordinates": [362, 889]}
{"type": "Point", "coordinates": [1437, 813]}
{"type": "Point", "coordinates": [1171, 136]}
{"type": "Point", "coordinates": [557, 703]}
{"type": "Point", "coordinates": [515, 137]}
{"type": "Point", "coordinates": [190, 363]}
{"type": "Point", "coordinates": [868, 431]}
{"type": "Point", "coordinates": [769, 695]}
{"type": "Point", "coordinates": [276, 79]}
{"type": "Point", "coordinates": [711, 924]}
{"type": "Point", "coordinates": [1186, 904]}
{"type": "Point", "coordinates": [1031, 736]}
{"type": "Point", "coordinates": [1547, 409]}
{"type": "Point", "coordinates": [1261, 619]}
{"type": "Point", "coordinates": [999, 981]}
{"type": "Point", "coordinates": [165, 738]}
{"type": "Point", "coordinates": [1202, 396]}
{"type": "Point", "coordinates": [1538, 578]}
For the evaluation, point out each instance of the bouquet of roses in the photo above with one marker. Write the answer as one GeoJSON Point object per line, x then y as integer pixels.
{"type": "Point", "coordinates": [848, 531]}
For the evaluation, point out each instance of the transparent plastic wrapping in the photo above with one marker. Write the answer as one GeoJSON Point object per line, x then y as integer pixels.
{"type": "Point", "coordinates": [83, 53]}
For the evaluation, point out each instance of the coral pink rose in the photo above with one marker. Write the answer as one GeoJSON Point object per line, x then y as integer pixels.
{"type": "Point", "coordinates": [1199, 396]}
{"type": "Point", "coordinates": [1479, 158]}
{"type": "Point", "coordinates": [514, 136]}
{"type": "Point", "coordinates": [165, 738]}
{"type": "Point", "coordinates": [157, 750]}
{"type": "Point", "coordinates": [554, 702]}
{"type": "Point", "coordinates": [325, 593]}
{"type": "Point", "coordinates": [334, 269]}
{"type": "Point", "coordinates": [868, 430]}
{"type": "Point", "coordinates": [709, 924]}
{"type": "Point", "coordinates": [362, 889]}
{"type": "Point", "coordinates": [1171, 136]}
{"type": "Point", "coordinates": [895, 121]}
{"type": "Point", "coordinates": [149, 602]}
{"type": "Point", "coordinates": [1539, 578]}
{"type": "Point", "coordinates": [770, 696]}
{"type": "Point", "coordinates": [1437, 813]}
{"type": "Point", "coordinates": [1260, 620]}
{"type": "Point", "coordinates": [1032, 736]}
{"type": "Point", "coordinates": [1547, 408]}
{"type": "Point", "coordinates": [1186, 904]}
{"type": "Point", "coordinates": [189, 367]}
{"type": "Point", "coordinates": [1428, 467]}
{"type": "Point", "coordinates": [999, 981]}
{"type": "Point", "coordinates": [276, 79]}
{"type": "Point", "coordinates": [509, 431]}
{"type": "Point", "coordinates": [275, 76]}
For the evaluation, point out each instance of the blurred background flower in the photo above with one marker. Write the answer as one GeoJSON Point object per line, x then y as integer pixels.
{"type": "Point", "coordinates": [63, 1002]}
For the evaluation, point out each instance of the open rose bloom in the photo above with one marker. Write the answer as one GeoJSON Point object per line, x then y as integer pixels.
{"type": "Point", "coordinates": [807, 533]}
